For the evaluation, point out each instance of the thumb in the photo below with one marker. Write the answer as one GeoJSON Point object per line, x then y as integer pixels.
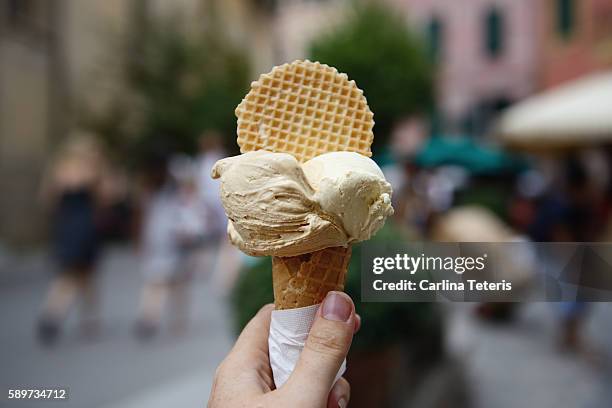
{"type": "Point", "coordinates": [326, 348]}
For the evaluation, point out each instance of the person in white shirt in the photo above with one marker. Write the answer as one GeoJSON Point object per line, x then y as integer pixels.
{"type": "Point", "coordinates": [226, 260]}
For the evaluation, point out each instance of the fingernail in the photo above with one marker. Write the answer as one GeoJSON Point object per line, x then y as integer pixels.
{"type": "Point", "coordinates": [336, 307]}
{"type": "Point", "coordinates": [342, 403]}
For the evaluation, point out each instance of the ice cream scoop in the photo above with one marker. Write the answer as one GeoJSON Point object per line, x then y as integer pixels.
{"type": "Point", "coordinates": [352, 188]}
{"type": "Point", "coordinates": [278, 206]}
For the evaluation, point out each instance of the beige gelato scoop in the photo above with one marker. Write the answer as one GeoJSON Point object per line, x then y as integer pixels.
{"type": "Point", "coordinates": [277, 206]}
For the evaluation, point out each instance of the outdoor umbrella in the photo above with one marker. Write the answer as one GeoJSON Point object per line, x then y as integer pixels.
{"type": "Point", "coordinates": [574, 114]}
{"type": "Point", "coordinates": [467, 153]}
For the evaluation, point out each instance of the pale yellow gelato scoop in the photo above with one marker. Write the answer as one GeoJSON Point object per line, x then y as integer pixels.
{"type": "Point", "coordinates": [277, 206]}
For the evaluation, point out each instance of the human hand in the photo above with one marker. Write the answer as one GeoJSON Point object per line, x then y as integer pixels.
{"type": "Point", "coordinates": [244, 378]}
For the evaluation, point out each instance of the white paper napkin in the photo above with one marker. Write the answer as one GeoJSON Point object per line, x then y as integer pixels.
{"type": "Point", "coordinates": [288, 333]}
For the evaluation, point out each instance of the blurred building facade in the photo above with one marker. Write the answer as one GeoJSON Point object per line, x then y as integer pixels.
{"type": "Point", "coordinates": [486, 55]}
{"type": "Point", "coordinates": [489, 53]}
{"type": "Point", "coordinates": [575, 37]}
{"type": "Point", "coordinates": [48, 50]}
{"type": "Point", "coordinates": [485, 50]}
{"type": "Point", "coordinates": [56, 57]}
{"type": "Point", "coordinates": [59, 57]}
{"type": "Point", "coordinates": [26, 62]}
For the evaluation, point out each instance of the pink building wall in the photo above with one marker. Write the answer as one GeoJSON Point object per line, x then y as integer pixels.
{"type": "Point", "coordinates": [467, 75]}
{"type": "Point", "coordinates": [587, 49]}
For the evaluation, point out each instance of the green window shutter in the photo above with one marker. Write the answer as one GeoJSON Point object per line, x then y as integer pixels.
{"type": "Point", "coordinates": [565, 18]}
{"type": "Point", "coordinates": [494, 33]}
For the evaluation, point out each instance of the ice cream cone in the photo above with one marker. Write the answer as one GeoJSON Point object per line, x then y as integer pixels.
{"type": "Point", "coordinates": [306, 109]}
{"type": "Point", "coordinates": [304, 280]}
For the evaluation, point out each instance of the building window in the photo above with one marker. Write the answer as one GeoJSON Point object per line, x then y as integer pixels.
{"type": "Point", "coordinates": [565, 18]}
{"type": "Point", "coordinates": [494, 33]}
{"type": "Point", "coordinates": [435, 34]}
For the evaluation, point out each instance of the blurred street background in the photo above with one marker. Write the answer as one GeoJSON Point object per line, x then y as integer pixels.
{"type": "Point", "coordinates": [493, 124]}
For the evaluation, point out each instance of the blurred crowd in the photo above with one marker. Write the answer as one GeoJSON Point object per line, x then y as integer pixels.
{"type": "Point", "coordinates": [171, 210]}
{"type": "Point", "coordinates": [553, 196]}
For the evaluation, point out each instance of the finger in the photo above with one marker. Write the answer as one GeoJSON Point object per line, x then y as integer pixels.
{"type": "Point", "coordinates": [357, 323]}
{"type": "Point", "coordinates": [340, 394]}
{"type": "Point", "coordinates": [326, 347]}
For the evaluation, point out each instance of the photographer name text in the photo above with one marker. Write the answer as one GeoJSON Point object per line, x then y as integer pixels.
{"type": "Point", "coordinates": [414, 264]}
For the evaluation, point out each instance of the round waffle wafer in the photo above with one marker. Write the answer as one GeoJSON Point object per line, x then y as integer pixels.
{"type": "Point", "coordinates": [305, 109]}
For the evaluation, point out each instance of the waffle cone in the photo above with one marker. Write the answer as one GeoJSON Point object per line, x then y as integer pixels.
{"type": "Point", "coordinates": [304, 280]}
{"type": "Point", "coordinates": [306, 109]}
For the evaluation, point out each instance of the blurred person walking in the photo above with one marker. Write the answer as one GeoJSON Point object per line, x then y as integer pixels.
{"type": "Point", "coordinates": [70, 190]}
{"type": "Point", "coordinates": [221, 259]}
{"type": "Point", "coordinates": [567, 213]}
{"type": "Point", "coordinates": [172, 227]}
